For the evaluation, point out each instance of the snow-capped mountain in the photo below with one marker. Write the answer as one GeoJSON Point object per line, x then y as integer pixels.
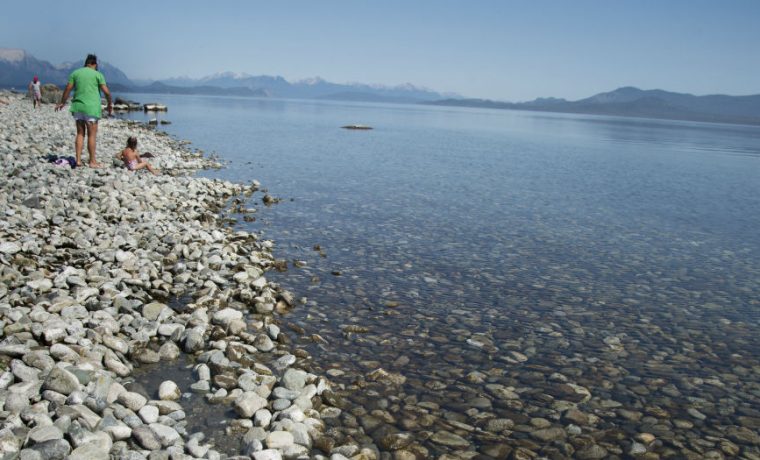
{"type": "Point", "coordinates": [309, 88]}
{"type": "Point", "coordinates": [17, 67]}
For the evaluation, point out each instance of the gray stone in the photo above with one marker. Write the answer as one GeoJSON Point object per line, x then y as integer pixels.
{"type": "Point", "coordinates": [116, 344]}
{"type": "Point", "coordinates": [41, 285]}
{"type": "Point", "coordinates": [14, 350]}
{"type": "Point", "coordinates": [284, 362]}
{"type": "Point", "coordinates": [267, 454]}
{"type": "Point", "coordinates": [169, 351]}
{"type": "Point", "coordinates": [30, 454]}
{"type": "Point", "coordinates": [263, 343]}
{"type": "Point", "coordinates": [284, 393]}
{"type": "Point", "coordinates": [549, 434]}
{"type": "Point", "coordinates": [294, 379]}
{"type": "Point", "coordinates": [39, 359]}
{"type": "Point", "coordinates": [248, 403]}
{"type": "Point", "coordinates": [153, 311]}
{"type": "Point", "coordinates": [201, 386]}
{"type": "Point", "coordinates": [149, 414]}
{"type": "Point", "coordinates": [86, 416]}
{"type": "Point", "coordinates": [280, 404]}
{"type": "Point", "coordinates": [224, 316]}
{"type": "Point", "coordinates": [89, 451]}
{"type": "Point", "coordinates": [301, 436]}
{"type": "Point", "coordinates": [23, 372]}
{"type": "Point", "coordinates": [204, 373]}
{"type": "Point", "coordinates": [262, 418]}
{"type": "Point", "coordinates": [279, 440]}
{"type": "Point", "coordinates": [743, 435]}
{"type": "Point", "coordinates": [61, 381]}
{"type": "Point", "coordinates": [9, 247]}
{"type": "Point", "coordinates": [115, 428]}
{"type": "Point", "coordinates": [169, 391]}
{"type": "Point", "coordinates": [166, 407]}
{"type": "Point", "coordinates": [53, 449]}
{"type": "Point", "coordinates": [146, 437]}
{"type": "Point", "coordinates": [63, 353]}
{"type": "Point", "coordinates": [449, 439]}
{"type": "Point", "coordinates": [193, 340]}
{"type": "Point", "coordinates": [16, 402]}
{"type": "Point", "coordinates": [74, 312]}
{"type": "Point", "coordinates": [295, 451]}
{"type": "Point", "coordinates": [166, 434]}
{"type": "Point", "coordinates": [134, 401]}
{"type": "Point", "coordinates": [41, 434]}
{"type": "Point", "coordinates": [593, 452]}
{"type": "Point", "coordinates": [10, 443]}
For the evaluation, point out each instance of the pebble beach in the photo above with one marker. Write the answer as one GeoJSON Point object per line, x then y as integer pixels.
{"type": "Point", "coordinates": [104, 271]}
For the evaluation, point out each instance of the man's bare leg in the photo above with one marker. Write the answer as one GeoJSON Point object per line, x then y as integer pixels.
{"type": "Point", "coordinates": [92, 133]}
{"type": "Point", "coordinates": [79, 142]}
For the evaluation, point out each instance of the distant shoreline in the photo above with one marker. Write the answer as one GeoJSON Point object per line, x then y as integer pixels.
{"type": "Point", "coordinates": [485, 104]}
{"type": "Point", "coordinates": [646, 107]}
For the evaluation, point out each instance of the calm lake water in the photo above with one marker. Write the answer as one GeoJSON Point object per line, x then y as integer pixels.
{"type": "Point", "coordinates": [501, 260]}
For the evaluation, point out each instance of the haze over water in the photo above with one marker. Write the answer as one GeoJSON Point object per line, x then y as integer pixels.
{"type": "Point", "coordinates": [530, 250]}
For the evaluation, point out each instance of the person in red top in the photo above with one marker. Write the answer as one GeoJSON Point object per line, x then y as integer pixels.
{"type": "Point", "coordinates": [35, 88]}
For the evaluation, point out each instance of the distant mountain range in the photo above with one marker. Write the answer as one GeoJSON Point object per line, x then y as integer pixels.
{"type": "Point", "coordinates": [17, 68]}
{"type": "Point", "coordinates": [275, 86]}
{"type": "Point", "coordinates": [634, 102]}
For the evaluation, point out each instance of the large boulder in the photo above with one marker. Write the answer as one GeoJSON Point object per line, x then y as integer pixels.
{"type": "Point", "coordinates": [51, 94]}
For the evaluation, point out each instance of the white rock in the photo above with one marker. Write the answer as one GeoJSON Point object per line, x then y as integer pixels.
{"type": "Point", "coordinates": [279, 440]}
{"type": "Point", "coordinates": [248, 403]}
{"type": "Point", "coordinates": [131, 400]}
{"type": "Point", "coordinates": [148, 414]}
{"type": "Point", "coordinates": [267, 454]}
{"type": "Point", "coordinates": [169, 391]}
{"type": "Point", "coordinates": [41, 285]}
{"type": "Point", "coordinates": [166, 434]}
{"type": "Point", "coordinates": [225, 316]}
{"type": "Point", "coordinates": [9, 247]}
{"type": "Point", "coordinates": [262, 418]}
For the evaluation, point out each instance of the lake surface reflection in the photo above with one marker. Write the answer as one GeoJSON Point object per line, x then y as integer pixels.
{"type": "Point", "coordinates": [531, 283]}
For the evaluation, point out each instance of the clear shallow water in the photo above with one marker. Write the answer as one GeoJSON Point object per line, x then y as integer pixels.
{"type": "Point", "coordinates": [616, 254]}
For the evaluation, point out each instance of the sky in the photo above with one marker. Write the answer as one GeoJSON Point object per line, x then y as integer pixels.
{"type": "Point", "coordinates": [505, 50]}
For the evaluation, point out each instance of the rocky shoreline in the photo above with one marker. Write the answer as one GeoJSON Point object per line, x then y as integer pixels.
{"type": "Point", "coordinates": [102, 270]}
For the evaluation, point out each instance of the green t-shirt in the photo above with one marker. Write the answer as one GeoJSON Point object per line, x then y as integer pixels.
{"type": "Point", "coordinates": [86, 98]}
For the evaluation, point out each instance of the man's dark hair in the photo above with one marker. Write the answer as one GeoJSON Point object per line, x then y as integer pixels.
{"type": "Point", "coordinates": [132, 142]}
{"type": "Point", "coordinates": [91, 59]}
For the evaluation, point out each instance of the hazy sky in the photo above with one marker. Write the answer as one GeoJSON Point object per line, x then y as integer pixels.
{"type": "Point", "coordinates": [505, 50]}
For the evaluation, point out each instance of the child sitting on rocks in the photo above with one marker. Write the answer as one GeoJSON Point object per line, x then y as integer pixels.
{"type": "Point", "coordinates": [132, 159]}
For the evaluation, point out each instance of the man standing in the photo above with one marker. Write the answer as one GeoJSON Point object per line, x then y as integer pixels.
{"type": "Point", "coordinates": [85, 105]}
{"type": "Point", "coordinates": [35, 88]}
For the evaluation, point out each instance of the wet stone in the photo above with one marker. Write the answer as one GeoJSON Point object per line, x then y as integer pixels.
{"type": "Point", "coordinates": [594, 452]}
{"type": "Point", "coordinates": [743, 435]}
{"type": "Point", "coordinates": [449, 439]}
{"type": "Point", "coordinates": [549, 434]}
